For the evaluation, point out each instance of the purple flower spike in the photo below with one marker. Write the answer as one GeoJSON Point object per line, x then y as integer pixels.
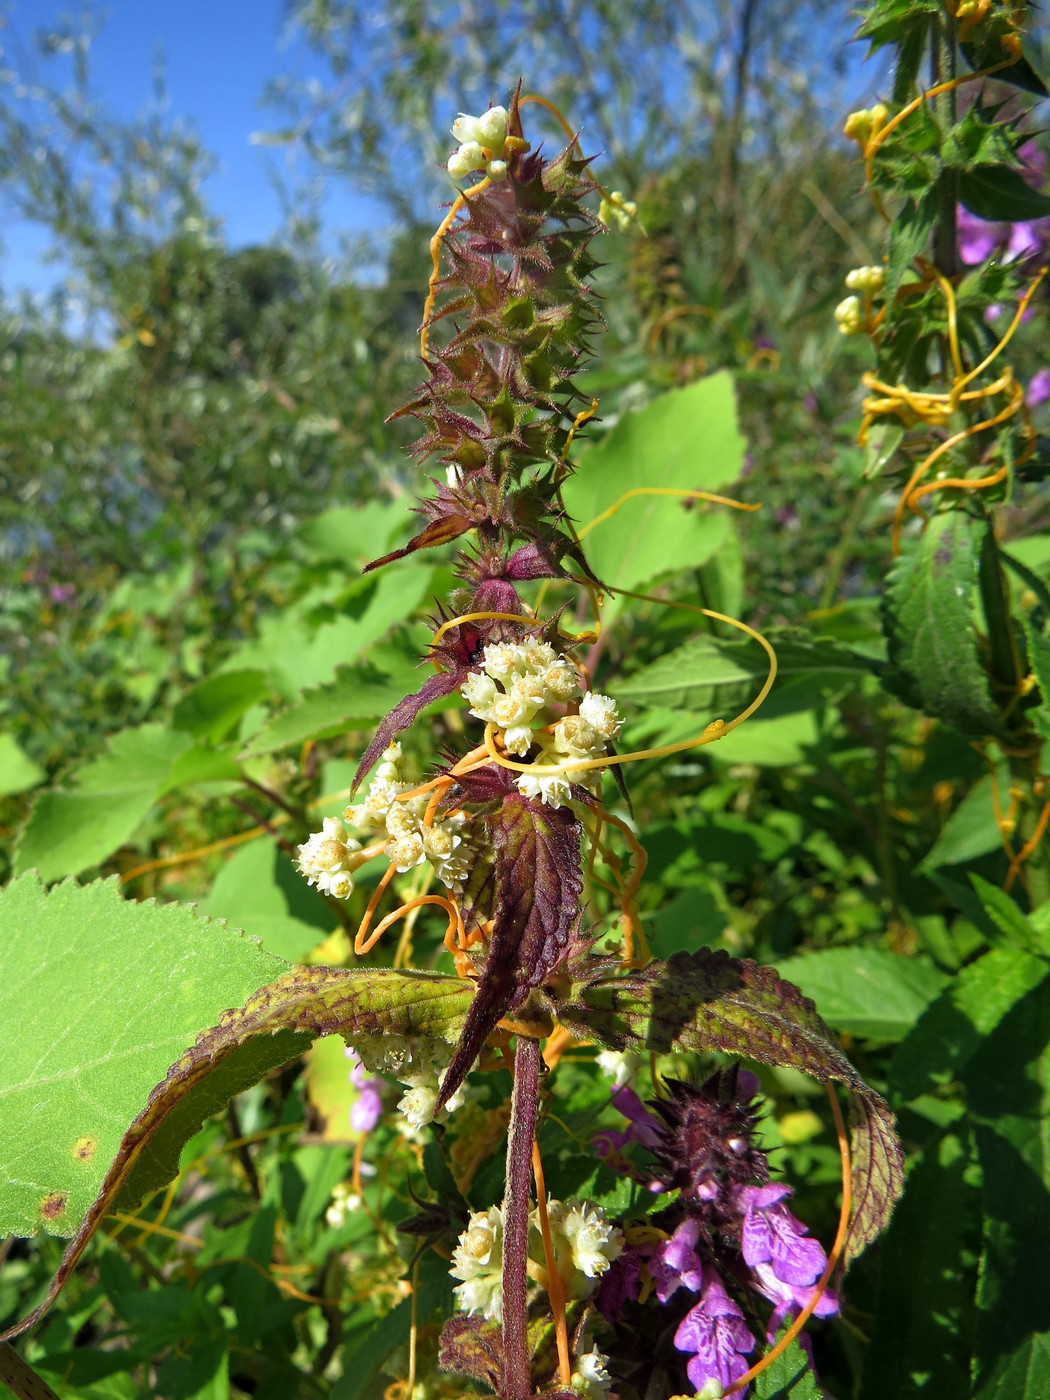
{"type": "Point", "coordinates": [772, 1235]}
{"type": "Point", "coordinates": [716, 1334]}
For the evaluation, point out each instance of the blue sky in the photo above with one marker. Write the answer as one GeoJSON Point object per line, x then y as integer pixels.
{"type": "Point", "coordinates": [218, 56]}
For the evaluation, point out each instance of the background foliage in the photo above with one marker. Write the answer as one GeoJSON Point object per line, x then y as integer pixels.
{"type": "Point", "coordinates": [194, 466]}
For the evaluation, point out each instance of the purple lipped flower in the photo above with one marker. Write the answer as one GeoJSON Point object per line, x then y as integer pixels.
{"type": "Point", "coordinates": [367, 1109]}
{"type": "Point", "coordinates": [715, 1332]}
{"type": "Point", "coordinates": [978, 238]}
{"type": "Point", "coordinates": [1038, 390]}
{"type": "Point", "coordinates": [675, 1263]}
{"type": "Point", "coordinates": [788, 1299]}
{"type": "Point", "coordinates": [771, 1234]}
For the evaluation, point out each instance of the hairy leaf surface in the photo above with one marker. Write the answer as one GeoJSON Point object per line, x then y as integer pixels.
{"type": "Point", "coordinates": [128, 1042]}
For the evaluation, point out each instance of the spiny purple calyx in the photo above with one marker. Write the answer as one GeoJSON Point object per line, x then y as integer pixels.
{"type": "Point", "coordinates": [705, 1148]}
{"type": "Point", "coordinates": [499, 403]}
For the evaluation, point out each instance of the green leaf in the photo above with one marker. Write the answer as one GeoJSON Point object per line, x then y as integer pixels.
{"type": "Point", "coordinates": [358, 696]}
{"type": "Point", "coordinates": [954, 1027]}
{"type": "Point", "coordinates": [295, 652]}
{"type": "Point", "coordinates": [1007, 917]}
{"type": "Point", "coordinates": [90, 1120]}
{"type": "Point", "coordinates": [924, 1305]}
{"type": "Point", "coordinates": [999, 193]}
{"type": "Point", "coordinates": [709, 673]}
{"type": "Point", "coordinates": [106, 994]}
{"type": "Point", "coordinates": [865, 991]}
{"type": "Point", "coordinates": [258, 891]}
{"type": "Point", "coordinates": [789, 1377]}
{"type": "Point", "coordinates": [933, 646]}
{"type": "Point", "coordinates": [18, 772]}
{"type": "Point", "coordinates": [1021, 74]}
{"type": "Point", "coordinates": [909, 233]}
{"type": "Point", "coordinates": [70, 829]}
{"type": "Point", "coordinates": [688, 438]}
{"type": "Point", "coordinates": [211, 709]}
{"type": "Point", "coordinates": [1008, 1086]}
{"type": "Point", "coordinates": [970, 831]}
{"type": "Point", "coordinates": [709, 1001]}
{"type": "Point", "coordinates": [354, 535]}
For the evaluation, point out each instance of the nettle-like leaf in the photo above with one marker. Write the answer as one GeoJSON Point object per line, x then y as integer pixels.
{"type": "Point", "coordinates": [536, 887]}
{"type": "Point", "coordinates": [127, 1043]}
{"type": "Point", "coordinates": [928, 618]}
{"type": "Point", "coordinates": [709, 1001]}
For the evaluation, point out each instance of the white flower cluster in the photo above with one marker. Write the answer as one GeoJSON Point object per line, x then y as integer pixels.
{"type": "Point", "coordinates": [514, 690]}
{"type": "Point", "coordinates": [329, 858]}
{"type": "Point", "coordinates": [344, 1202]}
{"type": "Point", "coordinates": [482, 145]}
{"type": "Point", "coordinates": [585, 1243]}
{"type": "Point", "coordinates": [478, 1260]}
{"type": "Point", "coordinates": [851, 315]}
{"type": "Point", "coordinates": [411, 842]}
{"type": "Point", "coordinates": [419, 1065]}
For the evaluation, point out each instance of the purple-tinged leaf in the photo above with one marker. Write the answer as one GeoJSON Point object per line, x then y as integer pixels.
{"type": "Point", "coordinates": [435, 687]}
{"type": "Point", "coordinates": [538, 882]}
{"type": "Point", "coordinates": [472, 1347]}
{"type": "Point", "coordinates": [709, 1001]}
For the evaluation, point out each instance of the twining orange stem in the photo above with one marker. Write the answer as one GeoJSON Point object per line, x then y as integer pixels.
{"type": "Point", "coordinates": [555, 1286]}
{"type": "Point", "coordinates": [833, 1258]}
{"type": "Point", "coordinates": [680, 491]}
{"type": "Point", "coordinates": [455, 921]}
{"type": "Point", "coordinates": [459, 203]}
{"type": "Point", "coordinates": [1027, 849]}
{"type": "Point", "coordinates": [362, 942]}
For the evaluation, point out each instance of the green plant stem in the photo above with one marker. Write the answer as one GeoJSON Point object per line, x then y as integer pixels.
{"type": "Point", "coordinates": [943, 68]}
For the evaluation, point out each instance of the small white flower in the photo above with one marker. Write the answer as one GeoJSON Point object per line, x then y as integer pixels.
{"type": "Point", "coordinates": [561, 681]}
{"type": "Point", "coordinates": [491, 128]}
{"type": "Point", "coordinates": [389, 770]}
{"type": "Point", "coordinates": [343, 1203]}
{"type": "Point", "coordinates": [593, 1242]}
{"type": "Point", "coordinates": [417, 1105]}
{"type": "Point", "coordinates": [590, 1376]}
{"type": "Point", "coordinates": [407, 852]}
{"type": "Point", "coordinates": [575, 738]}
{"type": "Point", "coordinates": [479, 691]}
{"type": "Point", "coordinates": [478, 1261]}
{"type": "Point", "coordinates": [501, 660]}
{"type": "Point", "coordinates": [328, 859]}
{"type": "Point", "coordinates": [599, 711]}
{"type": "Point", "coordinates": [550, 788]}
{"type": "Point", "coordinates": [518, 739]}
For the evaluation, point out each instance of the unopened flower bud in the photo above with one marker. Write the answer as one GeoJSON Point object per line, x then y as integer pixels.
{"type": "Point", "coordinates": [496, 170]}
{"type": "Point", "coordinates": [849, 315]}
{"type": "Point", "coordinates": [491, 129]}
{"type": "Point", "coordinates": [866, 279]}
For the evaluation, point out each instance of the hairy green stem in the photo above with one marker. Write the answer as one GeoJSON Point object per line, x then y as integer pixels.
{"type": "Point", "coordinates": [518, 1372]}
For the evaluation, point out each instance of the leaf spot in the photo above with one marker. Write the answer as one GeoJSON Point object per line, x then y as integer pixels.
{"type": "Point", "coordinates": [84, 1149]}
{"type": "Point", "coordinates": [53, 1205]}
